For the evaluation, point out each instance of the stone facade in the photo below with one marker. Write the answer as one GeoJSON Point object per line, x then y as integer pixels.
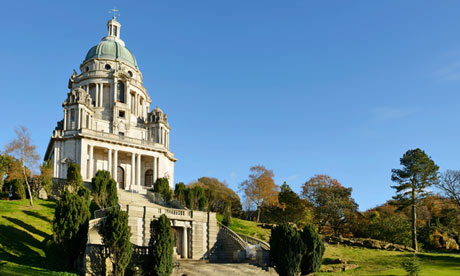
{"type": "Point", "coordinates": [107, 122]}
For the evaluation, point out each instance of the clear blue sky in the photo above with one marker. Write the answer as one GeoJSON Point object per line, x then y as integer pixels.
{"type": "Point", "coordinates": [342, 88]}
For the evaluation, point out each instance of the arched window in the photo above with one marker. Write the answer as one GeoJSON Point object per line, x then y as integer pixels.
{"type": "Point", "coordinates": [121, 92]}
{"type": "Point", "coordinates": [149, 178]}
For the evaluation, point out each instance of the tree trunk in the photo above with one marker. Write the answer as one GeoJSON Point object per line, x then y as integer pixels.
{"type": "Point", "coordinates": [31, 200]}
{"type": "Point", "coordinates": [414, 222]}
{"type": "Point", "coordinates": [258, 214]}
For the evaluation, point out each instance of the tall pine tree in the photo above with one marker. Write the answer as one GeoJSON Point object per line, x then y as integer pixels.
{"type": "Point", "coordinates": [418, 172]}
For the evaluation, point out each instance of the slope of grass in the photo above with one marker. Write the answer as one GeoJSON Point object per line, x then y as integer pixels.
{"type": "Point", "coordinates": [370, 261]}
{"type": "Point", "coordinates": [381, 262]}
{"type": "Point", "coordinates": [26, 243]}
{"type": "Point", "coordinates": [249, 228]}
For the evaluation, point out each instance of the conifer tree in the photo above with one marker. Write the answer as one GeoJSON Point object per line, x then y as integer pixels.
{"type": "Point", "coordinates": [286, 249]}
{"type": "Point", "coordinates": [161, 186]}
{"type": "Point", "coordinates": [70, 225]}
{"type": "Point", "coordinates": [104, 190]}
{"type": "Point", "coordinates": [160, 262]}
{"type": "Point", "coordinates": [116, 236]}
{"type": "Point", "coordinates": [419, 172]}
{"type": "Point", "coordinates": [314, 250]}
{"type": "Point", "coordinates": [74, 178]}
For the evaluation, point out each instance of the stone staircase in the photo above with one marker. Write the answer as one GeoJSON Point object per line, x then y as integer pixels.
{"type": "Point", "coordinates": [229, 247]}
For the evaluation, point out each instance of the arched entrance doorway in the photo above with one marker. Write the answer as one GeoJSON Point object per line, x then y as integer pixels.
{"type": "Point", "coordinates": [121, 177]}
{"type": "Point", "coordinates": [149, 178]}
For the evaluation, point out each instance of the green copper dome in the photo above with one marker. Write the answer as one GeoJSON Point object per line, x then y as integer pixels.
{"type": "Point", "coordinates": [110, 48]}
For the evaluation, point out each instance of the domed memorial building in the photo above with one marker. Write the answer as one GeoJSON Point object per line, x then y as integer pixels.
{"type": "Point", "coordinates": [107, 122]}
{"type": "Point", "coordinates": [108, 125]}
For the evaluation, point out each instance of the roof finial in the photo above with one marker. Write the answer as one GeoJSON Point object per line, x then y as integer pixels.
{"type": "Point", "coordinates": [115, 12]}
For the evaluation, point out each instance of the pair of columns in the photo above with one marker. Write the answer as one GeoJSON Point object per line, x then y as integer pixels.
{"type": "Point", "coordinates": [98, 95]}
{"type": "Point", "coordinates": [113, 166]}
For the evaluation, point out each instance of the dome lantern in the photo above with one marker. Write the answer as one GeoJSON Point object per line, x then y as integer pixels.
{"type": "Point", "coordinates": [113, 28]}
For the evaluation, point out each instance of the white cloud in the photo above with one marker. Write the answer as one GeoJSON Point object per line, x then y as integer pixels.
{"type": "Point", "coordinates": [450, 72]}
{"type": "Point", "coordinates": [391, 113]}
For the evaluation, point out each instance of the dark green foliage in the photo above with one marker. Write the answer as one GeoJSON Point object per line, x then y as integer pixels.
{"type": "Point", "coordinates": [74, 178]}
{"type": "Point", "coordinates": [311, 260]}
{"type": "Point", "coordinates": [4, 165]}
{"type": "Point", "coordinates": [393, 228]}
{"type": "Point", "coordinates": [411, 265]}
{"type": "Point", "coordinates": [161, 186]}
{"type": "Point", "coordinates": [179, 192]}
{"type": "Point", "coordinates": [160, 259]}
{"type": "Point", "coordinates": [17, 189]}
{"type": "Point", "coordinates": [104, 190]}
{"type": "Point", "coordinates": [116, 236]}
{"type": "Point", "coordinates": [291, 208]}
{"type": "Point", "coordinates": [418, 173]}
{"type": "Point", "coordinates": [46, 175]}
{"type": "Point", "coordinates": [286, 249]}
{"type": "Point", "coordinates": [218, 194]}
{"type": "Point", "coordinates": [227, 214]}
{"type": "Point", "coordinates": [70, 226]}
{"type": "Point", "coordinates": [195, 198]}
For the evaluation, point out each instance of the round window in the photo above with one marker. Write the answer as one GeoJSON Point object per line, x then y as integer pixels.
{"type": "Point", "coordinates": [130, 74]}
{"type": "Point", "coordinates": [86, 68]}
{"type": "Point", "coordinates": [108, 67]}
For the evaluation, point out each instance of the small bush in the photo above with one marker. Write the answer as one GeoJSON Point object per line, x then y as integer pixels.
{"type": "Point", "coordinates": [4, 195]}
{"type": "Point", "coordinates": [160, 258]}
{"type": "Point", "coordinates": [286, 250]}
{"type": "Point", "coordinates": [17, 189]}
{"type": "Point", "coordinates": [411, 265]}
{"type": "Point", "coordinates": [161, 186]}
{"type": "Point", "coordinates": [311, 261]}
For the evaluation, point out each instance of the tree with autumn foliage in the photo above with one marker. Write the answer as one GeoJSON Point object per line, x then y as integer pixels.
{"type": "Point", "coordinates": [260, 188]}
{"type": "Point", "coordinates": [332, 203]}
{"type": "Point", "coordinates": [418, 172]}
{"type": "Point", "coordinates": [21, 148]}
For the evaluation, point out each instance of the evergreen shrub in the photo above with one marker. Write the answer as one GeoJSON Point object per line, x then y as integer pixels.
{"type": "Point", "coordinates": [161, 244]}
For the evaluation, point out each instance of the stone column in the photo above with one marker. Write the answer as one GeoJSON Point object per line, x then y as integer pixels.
{"type": "Point", "coordinates": [65, 119]}
{"type": "Point", "coordinates": [96, 95]}
{"type": "Point", "coordinates": [78, 110]}
{"type": "Point", "coordinates": [91, 162]}
{"type": "Point", "coordinates": [154, 169]}
{"type": "Point", "coordinates": [158, 167]}
{"type": "Point", "coordinates": [184, 243]}
{"type": "Point", "coordinates": [101, 94]}
{"type": "Point", "coordinates": [109, 167]}
{"type": "Point", "coordinates": [114, 99]}
{"type": "Point", "coordinates": [133, 169]}
{"type": "Point", "coordinates": [127, 94]}
{"type": "Point", "coordinates": [138, 167]}
{"type": "Point", "coordinates": [115, 165]}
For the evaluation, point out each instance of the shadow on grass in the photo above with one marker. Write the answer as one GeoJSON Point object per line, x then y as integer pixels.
{"type": "Point", "coordinates": [26, 226]}
{"type": "Point", "coordinates": [442, 260]}
{"type": "Point", "coordinates": [37, 215]}
{"type": "Point", "coordinates": [17, 247]}
{"type": "Point", "coordinates": [51, 204]}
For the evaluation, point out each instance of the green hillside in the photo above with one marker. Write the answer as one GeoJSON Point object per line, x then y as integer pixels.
{"type": "Point", "coordinates": [370, 261]}
{"type": "Point", "coordinates": [26, 246]}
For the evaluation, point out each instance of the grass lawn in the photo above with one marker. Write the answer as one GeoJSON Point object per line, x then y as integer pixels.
{"type": "Point", "coordinates": [380, 262]}
{"type": "Point", "coordinates": [249, 228]}
{"type": "Point", "coordinates": [370, 261]}
{"type": "Point", "coordinates": [26, 246]}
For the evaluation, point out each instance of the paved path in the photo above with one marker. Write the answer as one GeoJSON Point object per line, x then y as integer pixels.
{"type": "Point", "coordinates": [202, 268]}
